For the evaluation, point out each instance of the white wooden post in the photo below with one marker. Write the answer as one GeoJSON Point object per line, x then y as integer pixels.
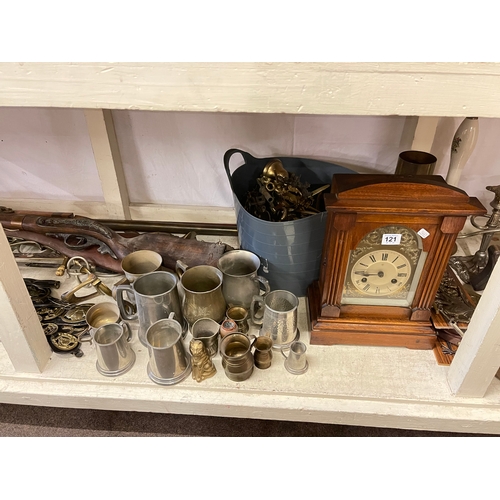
{"type": "Point", "coordinates": [425, 131]}
{"type": "Point", "coordinates": [20, 330]}
{"type": "Point", "coordinates": [478, 356]}
{"type": "Point", "coordinates": [108, 160]}
{"type": "Point", "coordinates": [418, 133]}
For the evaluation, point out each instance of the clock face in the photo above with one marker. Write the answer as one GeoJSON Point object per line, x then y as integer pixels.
{"type": "Point", "coordinates": [381, 272]}
{"type": "Point", "coordinates": [384, 268]}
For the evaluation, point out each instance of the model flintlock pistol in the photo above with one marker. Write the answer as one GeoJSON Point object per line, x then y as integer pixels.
{"type": "Point", "coordinates": [73, 235]}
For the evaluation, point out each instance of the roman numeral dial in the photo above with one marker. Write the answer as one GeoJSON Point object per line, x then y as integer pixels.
{"type": "Point", "coordinates": [381, 272]}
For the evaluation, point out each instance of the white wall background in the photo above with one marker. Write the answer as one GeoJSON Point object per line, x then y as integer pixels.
{"type": "Point", "coordinates": [175, 158]}
{"type": "Point", "coordinates": [46, 153]}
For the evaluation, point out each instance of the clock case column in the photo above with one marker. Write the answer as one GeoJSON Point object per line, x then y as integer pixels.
{"type": "Point", "coordinates": [358, 204]}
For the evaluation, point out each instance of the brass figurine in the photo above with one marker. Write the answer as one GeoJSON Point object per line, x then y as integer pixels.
{"type": "Point", "coordinates": [202, 366]}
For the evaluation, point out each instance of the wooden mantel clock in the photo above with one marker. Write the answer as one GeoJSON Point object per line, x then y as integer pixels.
{"type": "Point", "coordinates": [387, 244]}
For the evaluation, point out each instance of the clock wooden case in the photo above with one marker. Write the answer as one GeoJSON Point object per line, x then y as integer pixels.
{"type": "Point", "coordinates": [387, 244]}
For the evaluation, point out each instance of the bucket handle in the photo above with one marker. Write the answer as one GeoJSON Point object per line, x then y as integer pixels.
{"type": "Point", "coordinates": [227, 156]}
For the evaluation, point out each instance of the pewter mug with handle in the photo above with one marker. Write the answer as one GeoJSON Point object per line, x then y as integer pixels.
{"type": "Point", "coordinates": [137, 264]}
{"type": "Point", "coordinates": [241, 282]}
{"type": "Point", "coordinates": [277, 313]}
{"type": "Point", "coordinates": [207, 330]}
{"type": "Point", "coordinates": [296, 361]}
{"type": "Point", "coordinates": [102, 313]}
{"type": "Point", "coordinates": [201, 292]}
{"type": "Point", "coordinates": [169, 363]}
{"type": "Point", "coordinates": [114, 353]}
{"type": "Point", "coordinates": [237, 356]}
{"type": "Point", "coordinates": [156, 296]}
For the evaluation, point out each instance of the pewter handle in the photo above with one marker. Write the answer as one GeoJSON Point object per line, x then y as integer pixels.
{"type": "Point", "coordinates": [120, 302]}
{"type": "Point", "coordinates": [252, 343]}
{"type": "Point", "coordinates": [180, 268]}
{"type": "Point", "coordinates": [265, 283]}
{"type": "Point", "coordinates": [257, 300]}
{"type": "Point", "coordinates": [129, 330]}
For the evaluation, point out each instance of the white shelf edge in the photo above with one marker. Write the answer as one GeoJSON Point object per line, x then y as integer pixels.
{"type": "Point", "coordinates": [472, 416]}
{"type": "Point", "coordinates": [403, 89]}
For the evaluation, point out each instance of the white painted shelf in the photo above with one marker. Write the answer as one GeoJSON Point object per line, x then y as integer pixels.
{"type": "Point", "coordinates": [404, 89]}
{"type": "Point", "coordinates": [349, 385]}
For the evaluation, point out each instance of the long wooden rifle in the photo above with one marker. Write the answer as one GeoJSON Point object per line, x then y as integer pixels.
{"type": "Point", "coordinates": [72, 235]}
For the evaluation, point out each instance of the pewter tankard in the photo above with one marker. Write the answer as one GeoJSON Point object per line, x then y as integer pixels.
{"type": "Point", "coordinates": [134, 265]}
{"type": "Point", "coordinates": [296, 361]}
{"type": "Point", "coordinates": [114, 354]}
{"type": "Point", "coordinates": [169, 363]}
{"type": "Point", "coordinates": [156, 297]}
{"type": "Point", "coordinates": [277, 313]}
{"type": "Point", "coordinates": [241, 282]}
{"type": "Point", "coordinates": [201, 293]}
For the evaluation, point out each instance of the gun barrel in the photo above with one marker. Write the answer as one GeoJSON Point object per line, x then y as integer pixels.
{"type": "Point", "coordinates": [171, 227]}
{"type": "Point", "coordinates": [13, 219]}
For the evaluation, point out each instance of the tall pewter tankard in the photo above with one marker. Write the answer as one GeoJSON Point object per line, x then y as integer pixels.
{"type": "Point", "coordinates": [279, 317]}
{"type": "Point", "coordinates": [201, 293]}
{"type": "Point", "coordinates": [114, 354]}
{"type": "Point", "coordinates": [241, 282]}
{"type": "Point", "coordinates": [169, 362]}
{"type": "Point", "coordinates": [156, 296]}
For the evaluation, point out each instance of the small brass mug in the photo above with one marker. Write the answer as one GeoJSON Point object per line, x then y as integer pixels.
{"type": "Point", "coordinates": [102, 314]}
{"type": "Point", "coordinates": [263, 354]}
{"type": "Point", "coordinates": [237, 357]}
{"type": "Point", "coordinates": [139, 263]}
{"type": "Point", "coordinates": [239, 315]}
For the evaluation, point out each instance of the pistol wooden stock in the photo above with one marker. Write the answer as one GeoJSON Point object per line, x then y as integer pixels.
{"type": "Point", "coordinates": [81, 236]}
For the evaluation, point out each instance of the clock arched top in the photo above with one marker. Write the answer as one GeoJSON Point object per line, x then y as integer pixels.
{"type": "Point", "coordinates": [382, 193]}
